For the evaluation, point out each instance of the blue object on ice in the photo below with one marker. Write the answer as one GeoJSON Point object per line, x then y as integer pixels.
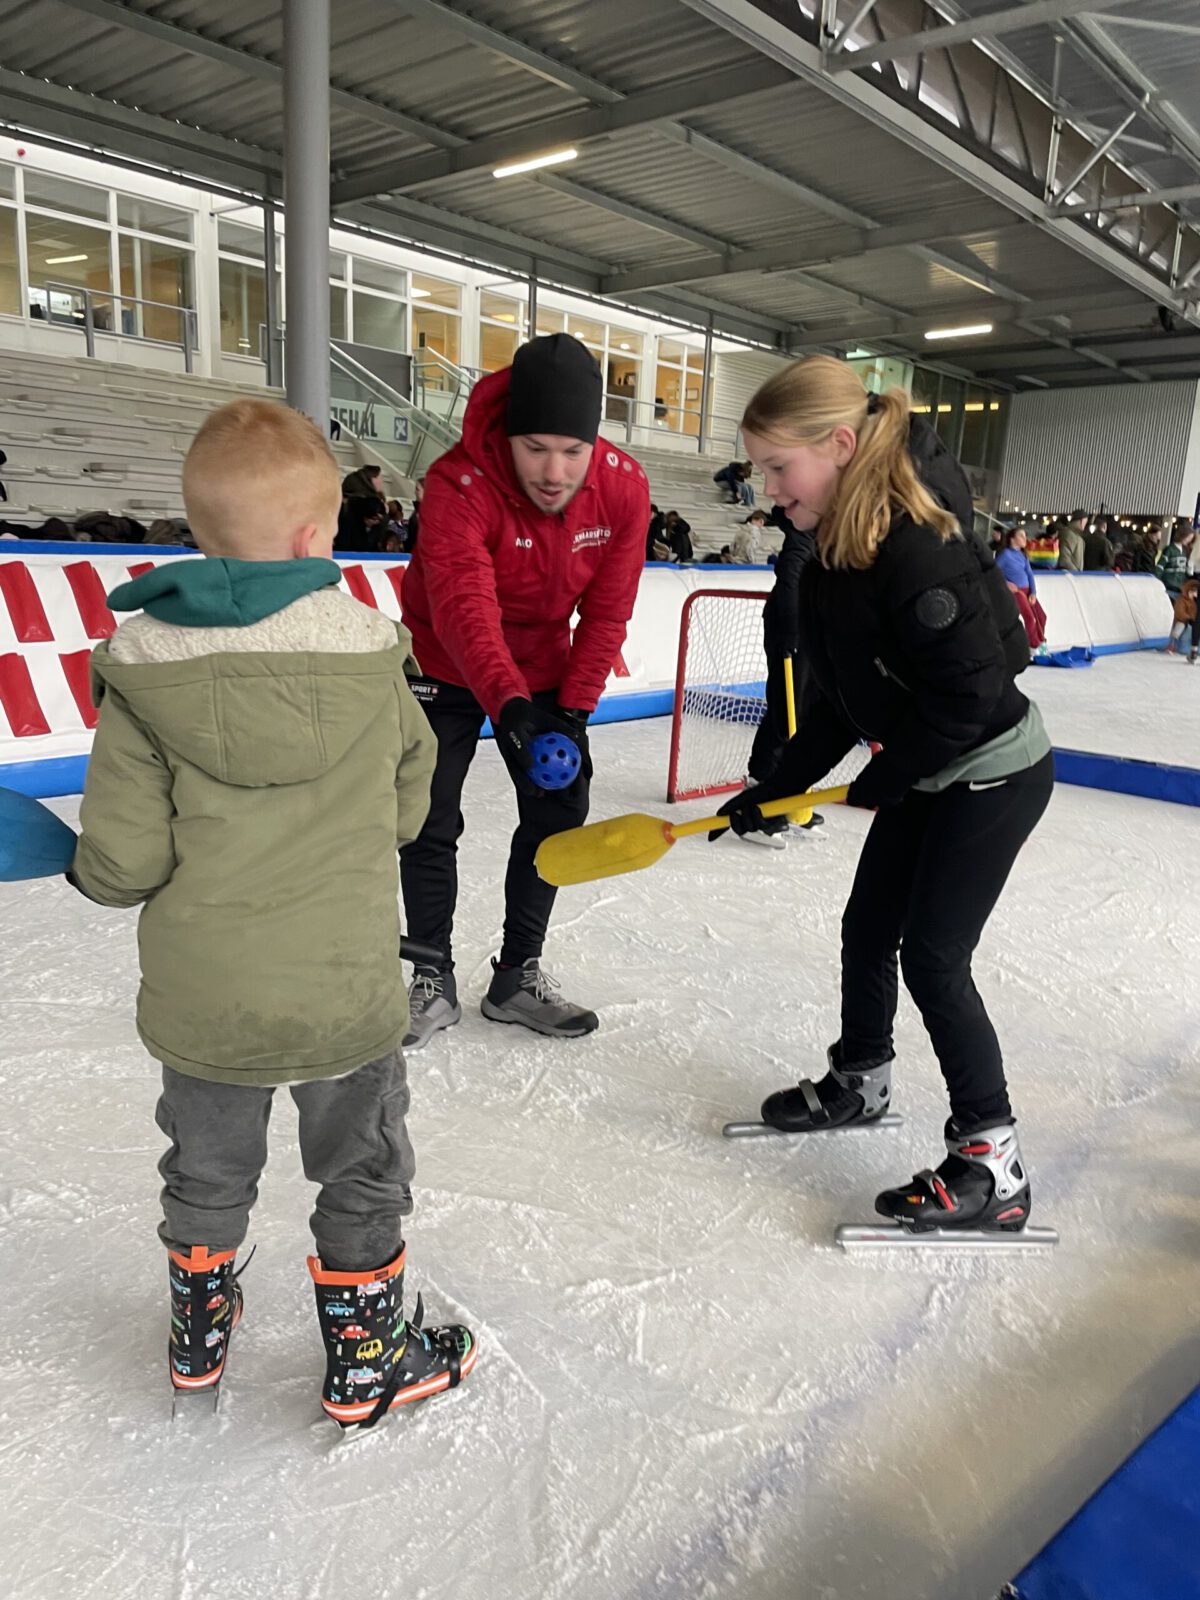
{"type": "Point", "coordinates": [556, 762]}
{"type": "Point", "coordinates": [1077, 656]}
{"type": "Point", "coordinates": [34, 843]}
{"type": "Point", "coordinates": [1137, 1538]}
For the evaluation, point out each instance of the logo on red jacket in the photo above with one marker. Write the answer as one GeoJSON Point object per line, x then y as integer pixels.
{"type": "Point", "coordinates": [586, 537]}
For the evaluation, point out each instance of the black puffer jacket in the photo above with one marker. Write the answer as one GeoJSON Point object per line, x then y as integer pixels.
{"type": "Point", "coordinates": [781, 613]}
{"type": "Point", "coordinates": [918, 652]}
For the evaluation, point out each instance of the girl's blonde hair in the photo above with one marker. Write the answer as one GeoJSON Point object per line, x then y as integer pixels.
{"type": "Point", "coordinates": [803, 404]}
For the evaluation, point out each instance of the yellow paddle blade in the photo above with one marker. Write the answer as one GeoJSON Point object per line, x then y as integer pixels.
{"type": "Point", "coordinates": [603, 849]}
{"type": "Point", "coordinates": [629, 843]}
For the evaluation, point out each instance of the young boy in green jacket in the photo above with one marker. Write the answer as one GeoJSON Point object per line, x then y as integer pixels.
{"type": "Point", "coordinates": [258, 757]}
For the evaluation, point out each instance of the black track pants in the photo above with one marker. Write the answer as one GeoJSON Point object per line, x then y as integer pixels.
{"type": "Point", "coordinates": [931, 870]}
{"type": "Point", "coordinates": [429, 866]}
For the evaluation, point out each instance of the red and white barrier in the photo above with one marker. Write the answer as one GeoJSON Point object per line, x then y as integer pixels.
{"type": "Point", "coordinates": [53, 611]}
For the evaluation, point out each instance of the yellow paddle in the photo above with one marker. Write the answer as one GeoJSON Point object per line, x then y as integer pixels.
{"type": "Point", "coordinates": [626, 844]}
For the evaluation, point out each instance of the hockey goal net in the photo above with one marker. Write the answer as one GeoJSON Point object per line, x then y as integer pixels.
{"type": "Point", "coordinates": [720, 696]}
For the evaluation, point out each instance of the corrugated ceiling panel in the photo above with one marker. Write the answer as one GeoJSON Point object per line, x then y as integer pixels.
{"type": "Point", "coordinates": [1125, 446]}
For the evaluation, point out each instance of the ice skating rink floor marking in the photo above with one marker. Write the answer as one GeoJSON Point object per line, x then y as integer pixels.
{"type": "Point", "coordinates": [684, 1390]}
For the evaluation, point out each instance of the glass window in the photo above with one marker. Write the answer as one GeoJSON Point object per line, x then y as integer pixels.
{"type": "Point", "coordinates": [436, 292]}
{"type": "Point", "coordinates": [950, 412]}
{"type": "Point", "coordinates": [974, 433]}
{"type": "Point", "coordinates": [149, 216]}
{"type": "Point", "coordinates": [670, 350]}
{"type": "Point", "coordinates": [497, 347]}
{"type": "Point", "coordinates": [584, 328]}
{"type": "Point", "coordinates": [8, 181]}
{"type": "Point", "coordinates": [337, 313]}
{"type": "Point", "coordinates": [68, 253]}
{"type": "Point", "coordinates": [62, 194]}
{"type": "Point", "coordinates": [622, 341]}
{"type": "Point", "coordinates": [379, 275]}
{"type": "Point", "coordinates": [997, 405]}
{"type": "Point", "coordinates": [924, 391]}
{"type": "Point", "coordinates": [383, 323]}
{"type": "Point", "coordinates": [243, 301]}
{"type": "Point", "coordinates": [503, 308]}
{"type": "Point", "coordinates": [695, 360]}
{"type": "Point", "coordinates": [10, 266]}
{"type": "Point", "coordinates": [158, 272]}
{"type": "Point", "coordinates": [337, 265]}
{"type": "Point", "coordinates": [240, 239]}
{"type": "Point", "coordinates": [435, 330]}
{"type": "Point", "coordinates": [549, 321]}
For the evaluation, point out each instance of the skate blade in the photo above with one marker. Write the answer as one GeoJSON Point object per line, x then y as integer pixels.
{"type": "Point", "coordinates": [194, 1402]}
{"type": "Point", "coordinates": [760, 1130]}
{"type": "Point", "coordinates": [891, 1236]}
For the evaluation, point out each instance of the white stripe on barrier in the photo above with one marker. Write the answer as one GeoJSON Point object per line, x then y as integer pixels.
{"type": "Point", "coordinates": [43, 681]}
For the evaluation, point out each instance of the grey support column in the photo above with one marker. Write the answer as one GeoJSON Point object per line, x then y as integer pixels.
{"type": "Point", "coordinates": [532, 325]}
{"type": "Point", "coordinates": [306, 196]}
{"type": "Point", "coordinates": [705, 379]}
{"type": "Point", "coordinates": [271, 353]}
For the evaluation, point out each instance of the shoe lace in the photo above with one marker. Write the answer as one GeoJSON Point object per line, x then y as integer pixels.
{"type": "Point", "coordinates": [426, 988]}
{"type": "Point", "coordinates": [541, 985]}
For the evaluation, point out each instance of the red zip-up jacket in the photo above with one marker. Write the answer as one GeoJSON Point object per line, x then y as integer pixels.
{"type": "Point", "coordinates": [493, 583]}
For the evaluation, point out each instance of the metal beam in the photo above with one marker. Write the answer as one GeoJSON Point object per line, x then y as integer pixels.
{"type": "Point", "coordinates": [510, 49]}
{"type": "Point", "coordinates": [702, 92]}
{"type": "Point", "coordinates": [306, 195]}
{"type": "Point", "coordinates": [98, 125]}
{"type": "Point", "coordinates": [859, 17]}
{"type": "Point", "coordinates": [1192, 29]}
{"type": "Point", "coordinates": [831, 248]}
{"type": "Point", "coordinates": [250, 65]}
{"type": "Point", "coordinates": [747, 22]}
{"type": "Point", "coordinates": [632, 213]}
{"type": "Point", "coordinates": [1011, 20]}
{"type": "Point", "coordinates": [1147, 197]}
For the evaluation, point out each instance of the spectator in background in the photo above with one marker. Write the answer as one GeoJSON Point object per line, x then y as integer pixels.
{"type": "Point", "coordinates": [1172, 565]}
{"type": "Point", "coordinates": [412, 527]}
{"type": "Point", "coordinates": [657, 548]}
{"type": "Point", "coordinates": [362, 524]}
{"type": "Point", "coordinates": [1185, 615]}
{"type": "Point", "coordinates": [736, 479]}
{"type": "Point", "coordinates": [723, 557]}
{"type": "Point", "coordinates": [678, 536]}
{"type": "Point", "coordinates": [395, 522]}
{"type": "Point", "coordinates": [747, 543]}
{"type": "Point", "coordinates": [365, 481]}
{"type": "Point", "coordinates": [1072, 547]}
{"type": "Point", "coordinates": [1018, 574]}
{"type": "Point", "coordinates": [1142, 553]}
{"type": "Point", "coordinates": [1098, 551]}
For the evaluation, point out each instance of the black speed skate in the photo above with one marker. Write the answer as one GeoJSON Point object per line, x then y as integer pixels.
{"type": "Point", "coordinates": [850, 1095]}
{"type": "Point", "coordinates": [979, 1197]}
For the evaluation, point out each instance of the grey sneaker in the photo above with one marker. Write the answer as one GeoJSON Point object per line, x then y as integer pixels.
{"type": "Point", "coordinates": [527, 995]}
{"type": "Point", "coordinates": [432, 1005]}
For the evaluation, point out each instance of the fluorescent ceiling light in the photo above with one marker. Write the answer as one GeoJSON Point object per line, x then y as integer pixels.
{"type": "Point", "coordinates": [554, 159]}
{"type": "Point", "coordinates": [964, 332]}
{"type": "Point", "coordinates": [421, 294]}
{"type": "Point", "coordinates": [61, 261]}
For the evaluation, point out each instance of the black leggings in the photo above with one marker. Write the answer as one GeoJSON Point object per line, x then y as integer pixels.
{"type": "Point", "coordinates": [429, 866]}
{"type": "Point", "coordinates": [931, 870]}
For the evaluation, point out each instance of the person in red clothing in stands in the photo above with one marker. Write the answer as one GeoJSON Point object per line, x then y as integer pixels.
{"type": "Point", "coordinates": [529, 519]}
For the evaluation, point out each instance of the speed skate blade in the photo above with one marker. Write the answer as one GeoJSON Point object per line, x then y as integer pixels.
{"type": "Point", "coordinates": [759, 1130]}
{"type": "Point", "coordinates": [195, 1402]}
{"type": "Point", "coordinates": [891, 1236]}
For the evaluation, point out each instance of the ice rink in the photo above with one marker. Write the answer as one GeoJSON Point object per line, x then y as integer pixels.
{"type": "Point", "coordinates": [684, 1390]}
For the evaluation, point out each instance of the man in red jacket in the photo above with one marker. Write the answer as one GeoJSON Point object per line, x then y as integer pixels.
{"type": "Point", "coordinates": [526, 521]}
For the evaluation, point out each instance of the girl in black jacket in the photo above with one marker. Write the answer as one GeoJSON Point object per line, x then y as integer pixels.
{"type": "Point", "coordinates": [909, 638]}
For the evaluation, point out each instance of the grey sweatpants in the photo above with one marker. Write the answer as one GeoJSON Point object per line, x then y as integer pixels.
{"type": "Point", "coordinates": [353, 1143]}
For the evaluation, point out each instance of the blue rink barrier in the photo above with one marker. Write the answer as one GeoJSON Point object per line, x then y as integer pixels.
{"type": "Point", "coordinates": [1138, 1537]}
{"type": "Point", "coordinates": [1150, 780]}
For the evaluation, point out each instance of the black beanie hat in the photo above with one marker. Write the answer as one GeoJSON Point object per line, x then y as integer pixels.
{"type": "Point", "coordinates": [555, 388]}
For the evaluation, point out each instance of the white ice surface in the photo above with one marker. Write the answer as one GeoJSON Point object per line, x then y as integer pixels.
{"type": "Point", "coordinates": [1144, 705]}
{"type": "Point", "coordinates": [683, 1390]}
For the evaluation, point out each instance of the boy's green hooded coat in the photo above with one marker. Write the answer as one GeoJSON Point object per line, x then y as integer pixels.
{"type": "Point", "coordinates": [252, 775]}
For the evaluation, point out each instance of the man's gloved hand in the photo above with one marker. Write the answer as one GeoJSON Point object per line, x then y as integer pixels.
{"type": "Point", "coordinates": [518, 725]}
{"type": "Point", "coordinates": [577, 721]}
{"type": "Point", "coordinates": [878, 784]}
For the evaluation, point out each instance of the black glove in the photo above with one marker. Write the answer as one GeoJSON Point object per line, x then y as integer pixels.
{"type": "Point", "coordinates": [577, 721]}
{"type": "Point", "coordinates": [518, 725]}
{"type": "Point", "coordinates": [878, 784]}
{"type": "Point", "coordinates": [744, 813]}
